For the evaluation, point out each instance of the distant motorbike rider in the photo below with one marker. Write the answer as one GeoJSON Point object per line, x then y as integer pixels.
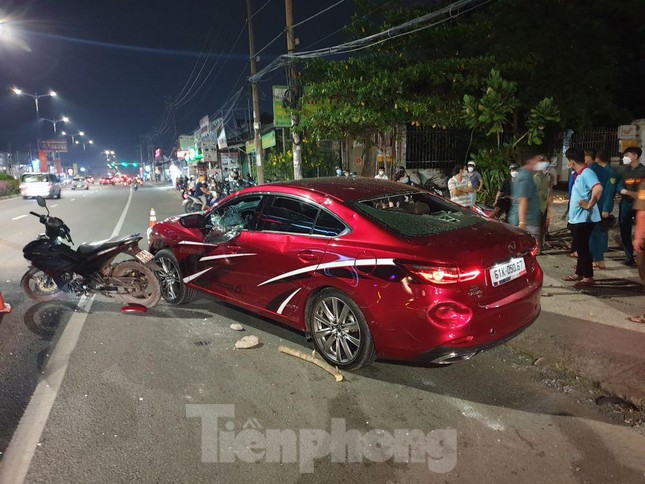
{"type": "Point", "coordinates": [202, 191]}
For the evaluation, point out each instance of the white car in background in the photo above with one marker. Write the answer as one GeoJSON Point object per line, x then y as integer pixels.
{"type": "Point", "coordinates": [40, 184]}
{"type": "Point", "coordinates": [80, 183]}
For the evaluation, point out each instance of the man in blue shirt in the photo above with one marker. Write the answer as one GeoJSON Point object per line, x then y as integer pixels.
{"type": "Point", "coordinates": [599, 237]}
{"type": "Point", "coordinates": [583, 216]}
{"type": "Point", "coordinates": [525, 208]}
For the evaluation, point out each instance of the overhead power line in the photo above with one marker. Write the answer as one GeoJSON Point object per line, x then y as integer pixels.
{"type": "Point", "coordinates": [282, 32]}
{"type": "Point", "coordinates": [445, 14]}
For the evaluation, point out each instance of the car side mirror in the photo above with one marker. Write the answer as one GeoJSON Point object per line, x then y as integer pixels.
{"type": "Point", "coordinates": [192, 221]}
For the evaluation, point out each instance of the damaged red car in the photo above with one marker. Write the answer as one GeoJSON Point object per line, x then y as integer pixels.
{"type": "Point", "coordinates": [365, 268]}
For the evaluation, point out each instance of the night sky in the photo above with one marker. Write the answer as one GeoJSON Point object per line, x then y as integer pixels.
{"type": "Point", "coordinates": [114, 62]}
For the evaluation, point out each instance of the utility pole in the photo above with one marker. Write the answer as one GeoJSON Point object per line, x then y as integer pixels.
{"type": "Point", "coordinates": [293, 86]}
{"type": "Point", "coordinates": [256, 99]}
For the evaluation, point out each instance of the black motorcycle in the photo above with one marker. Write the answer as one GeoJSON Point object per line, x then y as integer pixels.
{"type": "Point", "coordinates": [56, 268]}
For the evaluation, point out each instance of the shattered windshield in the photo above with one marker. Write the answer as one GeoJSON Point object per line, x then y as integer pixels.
{"type": "Point", "coordinates": [417, 214]}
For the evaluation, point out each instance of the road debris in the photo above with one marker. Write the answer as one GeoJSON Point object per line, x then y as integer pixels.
{"type": "Point", "coordinates": [236, 327]}
{"type": "Point", "coordinates": [312, 359]}
{"type": "Point", "coordinates": [248, 342]}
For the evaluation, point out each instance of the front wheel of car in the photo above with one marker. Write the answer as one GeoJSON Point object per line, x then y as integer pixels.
{"type": "Point", "coordinates": [340, 331]}
{"type": "Point", "coordinates": [173, 288]}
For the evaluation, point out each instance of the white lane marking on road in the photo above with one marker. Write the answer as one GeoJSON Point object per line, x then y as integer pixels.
{"type": "Point", "coordinates": [72, 200]}
{"type": "Point", "coordinates": [119, 224]}
{"type": "Point", "coordinates": [21, 449]}
{"type": "Point", "coordinates": [53, 206]}
{"type": "Point", "coordinates": [19, 217]}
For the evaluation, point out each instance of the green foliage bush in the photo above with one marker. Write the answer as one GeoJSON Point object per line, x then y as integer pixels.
{"type": "Point", "coordinates": [8, 185]}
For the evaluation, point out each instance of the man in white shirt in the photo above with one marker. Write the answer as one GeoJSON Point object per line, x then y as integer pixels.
{"type": "Point", "coordinates": [461, 189]}
{"type": "Point", "coordinates": [381, 174]}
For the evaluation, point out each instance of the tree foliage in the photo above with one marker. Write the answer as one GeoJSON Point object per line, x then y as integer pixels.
{"type": "Point", "coordinates": [571, 52]}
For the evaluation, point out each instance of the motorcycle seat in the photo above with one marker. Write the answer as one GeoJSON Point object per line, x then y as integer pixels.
{"type": "Point", "coordinates": [93, 247]}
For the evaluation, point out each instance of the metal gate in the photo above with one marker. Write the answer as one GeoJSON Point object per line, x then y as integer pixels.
{"type": "Point", "coordinates": [597, 139]}
{"type": "Point", "coordinates": [432, 148]}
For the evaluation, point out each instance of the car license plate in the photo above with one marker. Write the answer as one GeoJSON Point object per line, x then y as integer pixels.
{"type": "Point", "coordinates": [507, 271]}
{"type": "Point", "coordinates": [144, 256]}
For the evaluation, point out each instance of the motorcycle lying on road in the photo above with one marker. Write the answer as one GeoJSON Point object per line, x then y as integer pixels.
{"type": "Point", "coordinates": [56, 268]}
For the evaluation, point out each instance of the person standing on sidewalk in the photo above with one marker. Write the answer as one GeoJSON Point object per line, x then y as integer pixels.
{"type": "Point", "coordinates": [525, 207]}
{"type": "Point", "coordinates": [542, 182]}
{"type": "Point", "coordinates": [600, 237]}
{"type": "Point", "coordinates": [583, 216]}
{"type": "Point", "coordinates": [590, 162]}
{"type": "Point", "coordinates": [460, 187]}
{"type": "Point", "coordinates": [639, 242]}
{"type": "Point", "coordinates": [630, 177]}
{"type": "Point", "coordinates": [476, 181]}
{"type": "Point", "coordinates": [502, 205]}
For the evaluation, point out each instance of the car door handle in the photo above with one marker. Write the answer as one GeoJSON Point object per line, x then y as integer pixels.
{"type": "Point", "coordinates": [308, 256]}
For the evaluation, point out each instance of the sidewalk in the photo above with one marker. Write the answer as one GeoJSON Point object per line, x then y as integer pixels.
{"type": "Point", "coordinates": [585, 333]}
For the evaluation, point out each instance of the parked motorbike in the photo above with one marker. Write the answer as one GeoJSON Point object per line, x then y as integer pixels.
{"type": "Point", "coordinates": [56, 268]}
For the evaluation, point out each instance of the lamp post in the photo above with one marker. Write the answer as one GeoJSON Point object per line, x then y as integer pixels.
{"type": "Point", "coordinates": [64, 119]}
{"type": "Point", "coordinates": [77, 142]}
{"type": "Point", "coordinates": [35, 96]}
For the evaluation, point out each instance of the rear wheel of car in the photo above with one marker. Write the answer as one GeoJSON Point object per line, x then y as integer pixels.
{"type": "Point", "coordinates": [340, 331]}
{"type": "Point", "coordinates": [173, 288]}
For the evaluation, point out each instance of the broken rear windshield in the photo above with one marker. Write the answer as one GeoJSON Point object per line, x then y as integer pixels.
{"type": "Point", "coordinates": [417, 214]}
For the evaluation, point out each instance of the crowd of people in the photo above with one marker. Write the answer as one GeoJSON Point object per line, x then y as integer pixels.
{"type": "Point", "coordinates": [525, 199]}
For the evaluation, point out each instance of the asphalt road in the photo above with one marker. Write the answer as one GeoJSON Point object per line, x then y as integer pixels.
{"type": "Point", "coordinates": [140, 394]}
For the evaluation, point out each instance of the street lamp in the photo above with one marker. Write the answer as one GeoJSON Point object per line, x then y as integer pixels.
{"type": "Point", "coordinates": [64, 119]}
{"type": "Point", "coordinates": [109, 155]}
{"type": "Point", "coordinates": [80, 135]}
{"type": "Point", "coordinates": [35, 96]}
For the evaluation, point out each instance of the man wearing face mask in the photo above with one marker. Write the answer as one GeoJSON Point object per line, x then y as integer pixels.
{"type": "Point", "coordinates": [525, 208]}
{"type": "Point", "coordinates": [630, 177]}
{"type": "Point", "coordinates": [381, 174]}
{"type": "Point", "coordinates": [503, 198]}
{"type": "Point", "coordinates": [475, 180]}
{"type": "Point", "coordinates": [542, 182]}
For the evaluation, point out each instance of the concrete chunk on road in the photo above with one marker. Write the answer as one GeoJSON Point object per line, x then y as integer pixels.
{"type": "Point", "coordinates": [248, 342]}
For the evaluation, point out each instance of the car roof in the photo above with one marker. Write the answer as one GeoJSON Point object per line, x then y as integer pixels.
{"type": "Point", "coordinates": [345, 189]}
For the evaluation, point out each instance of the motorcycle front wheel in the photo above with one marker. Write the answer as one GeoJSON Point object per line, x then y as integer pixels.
{"type": "Point", "coordinates": [139, 282]}
{"type": "Point", "coordinates": [39, 286]}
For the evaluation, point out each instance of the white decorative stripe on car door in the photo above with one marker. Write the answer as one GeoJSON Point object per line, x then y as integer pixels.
{"type": "Point", "coordinates": [331, 265]}
{"type": "Point", "coordinates": [222, 256]}
{"type": "Point", "coordinates": [195, 276]}
{"type": "Point", "coordinates": [189, 242]}
{"type": "Point", "coordinates": [286, 301]}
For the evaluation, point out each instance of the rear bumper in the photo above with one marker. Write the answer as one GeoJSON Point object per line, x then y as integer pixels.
{"type": "Point", "coordinates": [445, 355]}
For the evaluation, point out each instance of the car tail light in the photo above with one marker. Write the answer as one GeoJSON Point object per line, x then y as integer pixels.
{"type": "Point", "coordinates": [443, 275]}
{"type": "Point", "coordinates": [450, 315]}
{"type": "Point", "coordinates": [534, 248]}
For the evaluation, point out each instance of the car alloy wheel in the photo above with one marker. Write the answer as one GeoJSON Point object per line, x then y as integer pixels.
{"type": "Point", "coordinates": [340, 332]}
{"type": "Point", "coordinates": [173, 288]}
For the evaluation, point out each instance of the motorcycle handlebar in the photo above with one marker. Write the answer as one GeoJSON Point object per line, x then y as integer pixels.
{"type": "Point", "coordinates": [35, 214]}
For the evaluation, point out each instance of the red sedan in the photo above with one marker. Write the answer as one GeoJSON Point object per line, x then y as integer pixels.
{"type": "Point", "coordinates": [365, 268]}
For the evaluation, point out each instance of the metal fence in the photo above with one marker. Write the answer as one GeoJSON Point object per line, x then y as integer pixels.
{"type": "Point", "coordinates": [598, 139]}
{"type": "Point", "coordinates": [433, 148]}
